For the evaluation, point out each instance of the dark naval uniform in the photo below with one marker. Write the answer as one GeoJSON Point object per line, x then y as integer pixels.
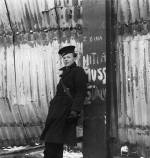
{"type": "Point", "coordinates": [58, 129]}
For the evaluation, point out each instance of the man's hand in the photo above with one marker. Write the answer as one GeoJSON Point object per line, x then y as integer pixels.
{"type": "Point", "coordinates": [73, 114]}
{"type": "Point", "coordinates": [73, 117]}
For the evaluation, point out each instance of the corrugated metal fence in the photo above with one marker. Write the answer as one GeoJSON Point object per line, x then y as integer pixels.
{"type": "Point", "coordinates": [134, 89]}
{"type": "Point", "coordinates": [133, 72]}
{"type": "Point", "coordinates": [31, 33]}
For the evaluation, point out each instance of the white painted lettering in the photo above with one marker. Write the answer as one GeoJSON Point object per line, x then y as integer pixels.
{"type": "Point", "coordinates": [104, 73]}
{"type": "Point", "coordinates": [93, 74]}
{"type": "Point", "coordinates": [100, 75]}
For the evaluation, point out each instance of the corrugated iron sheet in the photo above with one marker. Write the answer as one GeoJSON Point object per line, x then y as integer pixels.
{"type": "Point", "coordinates": [30, 37]}
{"type": "Point", "coordinates": [133, 92]}
{"type": "Point", "coordinates": [133, 16]}
{"type": "Point", "coordinates": [38, 15]}
{"type": "Point", "coordinates": [132, 72]}
{"type": "Point", "coordinates": [130, 11]}
{"type": "Point", "coordinates": [27, 84]}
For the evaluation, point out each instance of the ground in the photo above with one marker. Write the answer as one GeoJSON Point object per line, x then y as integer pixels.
{"type": "Point", "coordinates": [65, 155]}
{"type": "Point", "coordinates": [33, 152]}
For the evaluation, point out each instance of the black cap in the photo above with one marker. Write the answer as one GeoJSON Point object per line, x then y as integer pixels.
{"type": "Point", "coordinates": [66, 50]}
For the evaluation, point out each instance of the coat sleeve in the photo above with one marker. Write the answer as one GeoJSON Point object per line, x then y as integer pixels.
{"type": "Point", "coordinates": [80, 89]}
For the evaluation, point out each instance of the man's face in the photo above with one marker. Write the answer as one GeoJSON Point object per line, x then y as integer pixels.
{"type": "Point", "coordinates": [68, 59]}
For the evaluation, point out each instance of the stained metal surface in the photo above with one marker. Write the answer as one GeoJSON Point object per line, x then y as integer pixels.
{"type": "Point", "coordinates": [38, 15]}
{"type": "Point", "coordinates": [27, 84]}
{"type": "Point", "coordinates": [133, 16]}
{"type": "Point", "coordinates": [132, 72]}
{"type": "Point", "coordinates": [133, 69]}
{"type": "Point", "coordinates": [30, 37]}
{"type": "Point", "coordinates": [130, 11]}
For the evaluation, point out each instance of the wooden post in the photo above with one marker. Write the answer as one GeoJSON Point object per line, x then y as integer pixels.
{"type": "Point", "coordinates": [94, 63]}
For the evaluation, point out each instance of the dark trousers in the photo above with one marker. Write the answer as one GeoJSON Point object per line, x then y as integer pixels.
{"type": "Point", "coordinates": [53, 150]}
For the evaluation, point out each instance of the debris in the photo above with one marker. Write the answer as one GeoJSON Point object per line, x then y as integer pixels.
{"type": "Point", "coordinates": [124, 150]}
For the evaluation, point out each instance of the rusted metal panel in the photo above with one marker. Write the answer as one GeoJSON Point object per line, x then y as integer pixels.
{"type": "Point", "coordinates": [130, 11]}
{"type": "Point", "coordinates": [132, 16]}
{"type": "Point", "coordinates": [4, 22]}
{"type": "Point", "coordinates": [38, 15]}
{"type": "Point", "coordinates": [31, 33]}
{"type": "Point", "coordinates": [29, 77]}
{"type": "Point", "coordinates": [132, 72]}
{"type": "Point", "coordinates": [134, 90]}
{"type": "Point", "coordinates": [94, 63]}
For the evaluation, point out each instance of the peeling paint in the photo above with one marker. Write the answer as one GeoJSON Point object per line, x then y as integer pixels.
{"type": "Point", "coordinates": [31, 82]}
{"type": "Point", "coordinates": [135, 89]}
{"type": "Point", "coordinates": [38, 15]}
{"type": "Point", "coordinates": [29, 62]}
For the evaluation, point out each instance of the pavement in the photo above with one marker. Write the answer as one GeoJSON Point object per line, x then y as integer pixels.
{"type": "Point", "coordinates": [66, 154]}
{"type": "Point", "coordinates": [33, 152]}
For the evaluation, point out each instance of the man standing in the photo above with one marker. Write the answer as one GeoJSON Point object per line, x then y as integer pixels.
{"type": "Point", "coordinates": [65, 107]}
